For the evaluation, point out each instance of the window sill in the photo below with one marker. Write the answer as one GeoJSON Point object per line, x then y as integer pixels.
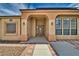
{"type": "Point", "coordinates": [11, 34]}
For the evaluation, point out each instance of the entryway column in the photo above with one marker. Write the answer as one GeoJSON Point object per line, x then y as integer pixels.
{"type": "Point", "coordinates": [51, 36]}
{"type": "Point", "coordinates": [33, 27]}
{"type": "Point", "coordinates": [24, 29]}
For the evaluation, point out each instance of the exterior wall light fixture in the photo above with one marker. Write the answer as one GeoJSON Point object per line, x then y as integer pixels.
{"type": "Point", "coordinates": [51, 23]}
{"type": "Point", "coordinates": [23, 23]}
{"type": "Point", "coordinates": [10, 19]}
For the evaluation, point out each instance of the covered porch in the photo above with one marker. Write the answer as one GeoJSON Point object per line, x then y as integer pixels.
{"type": "Point", "coordinates": [37, 29]}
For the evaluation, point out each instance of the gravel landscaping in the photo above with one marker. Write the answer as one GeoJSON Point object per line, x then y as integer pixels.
{"type": "Point", "coordinates": [11, 50]}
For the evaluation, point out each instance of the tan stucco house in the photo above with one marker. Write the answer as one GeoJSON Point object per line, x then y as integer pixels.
{"type": "Point", "coordinates": [54, 24]}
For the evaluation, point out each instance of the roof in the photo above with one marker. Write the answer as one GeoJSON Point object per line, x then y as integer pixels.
{"type": "Point", "coordinates": [11, 16]}
{"type": "Point", "coordinates": [41, 9]}
{"type": "Point", "coordinates": [51, 9]}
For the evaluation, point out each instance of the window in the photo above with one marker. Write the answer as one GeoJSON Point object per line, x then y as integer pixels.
{"type": "Point", "coordinates": [11, 28]}
{"type": "Point", "coordinates": [73, 26]}
{"type": "Point", "coordinates": [58, 31]}
{"type": "Point", "coordinates": [58, 26]}
{"type": "Point", "coordinates": [66, 26]}
{"type": "Point", "coordinates": [73, 31]}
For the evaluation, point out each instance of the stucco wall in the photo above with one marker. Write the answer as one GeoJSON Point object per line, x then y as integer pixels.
{"type": "Point", "coordinates": [52, 14]}
{"type": "Point", "coordinates": [0, 28]}
{"type": "Point", "coordinates": [10, 36]}
{"type": "Point", "coordinates": [78, 25]}
{"type": "Point", "coordinates": [47, 28]}
{"type": "Point", "coordinates": [50, 25]}
{"type": "Point", "coordinates": [29, 28]}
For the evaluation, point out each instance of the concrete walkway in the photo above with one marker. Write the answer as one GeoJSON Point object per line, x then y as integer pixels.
{"type": "Point", "coordinates": [37, 40]}
{"type": "Point", "coordinates": [42, 50]}
{"type": "Point", "coordinates": [63, 48]}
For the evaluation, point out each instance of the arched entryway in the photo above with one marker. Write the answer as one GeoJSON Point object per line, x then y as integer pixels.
{"type": "Point", "coordinates": [37, 27]}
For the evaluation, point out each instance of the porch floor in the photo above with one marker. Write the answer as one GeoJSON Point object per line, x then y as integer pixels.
{"type": "Point", "coordinates": [37, 40]}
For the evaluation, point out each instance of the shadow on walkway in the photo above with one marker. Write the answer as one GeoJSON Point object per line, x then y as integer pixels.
{"type": "Point", "coordinates": [37, 40]}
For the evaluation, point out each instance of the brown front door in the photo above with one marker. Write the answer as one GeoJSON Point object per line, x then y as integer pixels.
{"type": "Point", "coordinates": [40, 30]}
